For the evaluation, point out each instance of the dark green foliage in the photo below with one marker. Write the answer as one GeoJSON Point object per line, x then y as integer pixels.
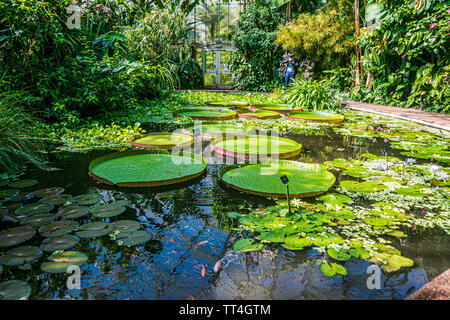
{"type": "Point", "coordinates": [256, 59]}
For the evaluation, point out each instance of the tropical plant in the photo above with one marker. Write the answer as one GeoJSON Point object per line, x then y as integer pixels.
{"type": "Point", "coordinates": [311, 95]}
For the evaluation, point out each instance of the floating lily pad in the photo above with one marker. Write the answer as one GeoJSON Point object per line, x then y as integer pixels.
{"type": "Point", "coordinates": [227, 103]}
{"type": "Point", "coordinates": [335, 199]}
{"type": "Point", "coordinates": [8, 193]}
{"type": "Point", "coordinates": [94, 229]}
{"type": "Point", "coordinates": [256, 146]}
{"type": "Point", "coordinates": [245, 245]}
{"type": "Point", "coordinates": [14, 290]}
{"type": "Point", "coordinates": [86, 199]}
{"type": "Point", "coordinates": [377, 222]}
{"type": "Point", "coordinates": [339, 269]}
{"type": "Point", "coordinates": [258, 114]}
{"type": "Point", "coordinates": [218, 129]}
{"type": "Point", "coordinates": [20, 184]}
{"type": "Point", "coordinates": [163, 140]}
{"type": "Point", "coordinates": [264, 179]}
{"type": "Point", "coordinates": [3, 182]}
{"type": "Point", "coordinates": [107, 211]}
{"type": "Point", "coordinates": [73, 212]}
{"type": "Point", "coordinates": [327, 270]}
{"type": "Point", "coordinates": [59, 262]}
{"type": "Point", "coordinates": [315, 116]}
{"type": "Point", "coordinates": [42, 193]}
{"type": "Point", "coordinates": [363, 187]}
{"type": "Point", "coordinates": [146, 168]}
{"type": "Point", "coordinates": [38, 220]}
{"type": "Point", "coordinates": [410, 192]}
{"type": "Point", "coordinates": [34, 208]}
{"type": "Point", "coordinates": [58, 228]}
{"type": "Point", "coordinates": [274, 236]}
{"type": "Point", "coordinates": [13, 236]}
{"type": "Point", "coordinates": [21, 196]}
{"type": "Point", "coordinates": [19, 256]}
{"type": "Point", "coordinates": [341, 255]}
{"type": "Point", "coordinates": [297, 243]}
{"type": "Point", "coordinates": [206, 113]}
{"type": "Point", "coordinates": [57, 199]}
{"type": "Point", "coordinates": [122, 203]}
{"type": "Point", "coordinates": [276, 107]}
{"type": "Point", "coordinates": [126, 225]}
{"type": "Point", "coordinates": [59, 243]}
{"type": "Point", "coordinates": [133, 238]}
{"type": "Point", "coordinates": [397, 234]}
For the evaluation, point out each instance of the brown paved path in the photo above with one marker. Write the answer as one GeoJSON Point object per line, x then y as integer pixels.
{"type": "Point", "coordinates": [432, 119]}
{"type": "Point", "coordinates": [438, 289]}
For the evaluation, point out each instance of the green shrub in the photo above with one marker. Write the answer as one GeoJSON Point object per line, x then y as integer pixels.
{"type": "Point", "coordinates": [311, 95]}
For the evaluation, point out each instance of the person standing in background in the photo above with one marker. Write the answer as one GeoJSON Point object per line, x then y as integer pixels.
{"type": "Point", "coordinates": [290, 65]}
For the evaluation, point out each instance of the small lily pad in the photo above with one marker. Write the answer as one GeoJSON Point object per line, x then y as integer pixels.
{"type": "Point", "coordinates": [341, 255]}
{"type": "Point", "coordinates": [377, 222]}
{"type": "Point", "coordinates": [59, 243]}
{"type": "Point", "coordinates": [57, 199]}
{"type": "Point", "coordinates": [339, 269]}
{"type": "Point", "coordinates": [327, 270]}
{"type": "Point", "coordinates": [14, 290]}
{"type": "Point", "coordinates": [8, 193]}
{"type": "Point", "coordinates": [3, 182]}
{"type": "Point", "coordinates": [13, 236]}
{"type": "Point", "coordinates": [58, 228]}
{"type": "Point", "coordinates": [86, 199]}
{"type": "Point", "coordinates": [34, 208]}
{"type": "Point", "coordinates": [73, 212]}
{"type": "Point", "coordinates": [126, 225]}
{"type": "Point", "coordinates": [38, 220]}
{"type": "Point", "coordinates": [133, 238]}
{"type": "Point", "coordinates": [94, 229]}
{"type": "Point", "coordinates": [107, 211]}
{"type": "Point", "coordinates": [42, 193]}
{"type": "Point", "coordinates": [59, 262]}
{"type": "Point", "coordinates": [411, 192]}
{"type": "Point", "coordinates": [20, 184]}
{"type": "Point", "coordinates": [19, 256]}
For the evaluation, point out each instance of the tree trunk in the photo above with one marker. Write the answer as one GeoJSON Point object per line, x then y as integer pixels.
{"type": "Point", "coordinates": [358, 49]}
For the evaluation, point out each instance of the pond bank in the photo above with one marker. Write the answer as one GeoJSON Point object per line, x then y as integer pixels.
{"type": "Point", "coordinates": [432, 119]}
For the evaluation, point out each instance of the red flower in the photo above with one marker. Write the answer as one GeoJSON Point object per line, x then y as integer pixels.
{"type": "Point", "coordinates": [433, 25]}
{"type": "Point", "coordinates": [403, 56]}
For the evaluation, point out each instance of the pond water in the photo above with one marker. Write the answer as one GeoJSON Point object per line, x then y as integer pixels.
{"type": "Point", "coordinates": [169, 266]}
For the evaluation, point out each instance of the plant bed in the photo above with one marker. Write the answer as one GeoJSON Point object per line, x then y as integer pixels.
{"type": "Point", "coordinates": [146, 168]}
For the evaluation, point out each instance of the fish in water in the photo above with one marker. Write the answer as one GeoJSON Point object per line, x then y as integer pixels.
{"type": "Point", "coordinates": [203, 271]}
{"type": "Point", "coordinates": [218, 265]}
{"type": "Point", "coordinates": [200, 244]}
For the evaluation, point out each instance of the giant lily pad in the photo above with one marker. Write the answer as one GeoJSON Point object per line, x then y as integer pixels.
{"type": "Point", "coordinates": [133, 238]}
{"type": "Point", "coordinates": [73, 212]}
{"type": "Point", "coordinates": [145, 168]}
{"type": "Point", "coordinates": [275, 107]}
{"type": "Point", "coordinates": [227, 103]}
{"type": "Point", "coordinates": [217, 129]}
{"type": "Point", "coordinates": [19, 256]}
{"type": "Point", "coordinates": [59, 243]}
{"type": "Point", "coordinates": [34, 208]}
{"type": "Point", "coordinates": [94, 229]}
{"type": "Point", "coordinates": [263, 179]}
{"type": "Point", "coordinates": [23, 183]}
{"type": "Point", "coordinates": [163, 140]}
{"type": "Point", "coordinates": [58, 228]}
{"type": "Point", "coordinates": [13, 236]}
{"type": "Point", "coordinates": [59, 262]}
{"type": "Point", "coordinates": [86, 199]}
{"type": "Point", "coordinates": [258, 114]}
{"type": "Point", "coordinates": [315, 116]}
{"type": "Point", "coordinates": [14, 290]}
{"type": "Point", "coordinates": [257, 146]}
{"type": "Point", "coordinates": [107, 211]}
{"type": "Point", "coordinates": [57, 199]}
{"type": "Point", "coordinates": [42, 193]}
{"type": "Point", "coordinates": [206, 113]}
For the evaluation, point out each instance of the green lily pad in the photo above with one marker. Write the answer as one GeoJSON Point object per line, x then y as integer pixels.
{"type": "Point", "coordinates": [59, 262]}
{"type": "Point", "coordinates": [339, 269]}
{"type": "Point", "coordinates": [297, 242]}
{"type": "Point", "coordinates": [42, 193]}
{"type": "Point", "coordinates": [57, 199]}
{"type": "Point", "coordinates": [126, 225]}
{"type": "Point", "coordinates": [94, 229]}
{"type": "Point", "coordinates": [16, 235]}
{"type": "Point", "coordinates": [3, 182]}
{"type": "Point", "coordinates": [34, 208]}
{"type": "Point", "coordinates": [146, 168]}
{"type": "Point", "coordinates": [86, 199]}
{"type": "Point", "coordinates": [377, 222]}
{"type": "Point", "coordinates": [14, 290]}
{"type": "Point", "coordinates": [58, 228]}
{"type": "Point", "coordinates": [122, 203]}
{"type": "Point", "coordinates": [19, 256]}
{"type": "Point", "coordinates": [315, 116]}
{"type": "Point", "coordinates": [245, 245]}
{"type": "Point", "coordinates": [327, 270]}
{"type": "Point", "coordinates": [364, 187]}
{"type": "Point", "coordinates": [20, 184]}
{"type": "Point", "coordinates": [8, 193]}
{"type": "Point", "coordinates": [277, 107]}
{"type": "Point", "coordinates": [21, 196]}
{"type": "Point", "coordinates": [227, 103]}
{"type": "Point", "coordinates": [397, 234]}
{"type": "Point", "coordinates": [341, 255]}
{"type": "Point", "coordinates": [256, 146]}
{"type": "Point", "coordinates": [133, 238]}
{"type": "Point", "coordinates": [107, 211]}
{"type": "Point", "coordinates": [263, 179]}
{"type": "Point", "coordinates": [206, 113]}
{"type": "Point", "coordinates": [363, 253]}
{"type": "Point", "coordinates": [38, 220]}
{"type": "Point", "coordinates": [274, 236]}
{"type": "Point", "coordinates": [218, 129]}
{"type": "Point", "coordinates": [73, 212]}
{"type": "Point", "coordinates": [335, 199]}
{"type": "Point", "coordinates": [258, 114]}
{"type": "Point", "coordinates": [163, 140]}
{"type": "Point", "coordinates": [63, 242]}
{"type": "Point", "coordinates": [411, 192]}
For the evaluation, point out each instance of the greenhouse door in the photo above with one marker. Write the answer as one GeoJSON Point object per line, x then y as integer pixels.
{"type": "Point", "coordinates": [216, 73]}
